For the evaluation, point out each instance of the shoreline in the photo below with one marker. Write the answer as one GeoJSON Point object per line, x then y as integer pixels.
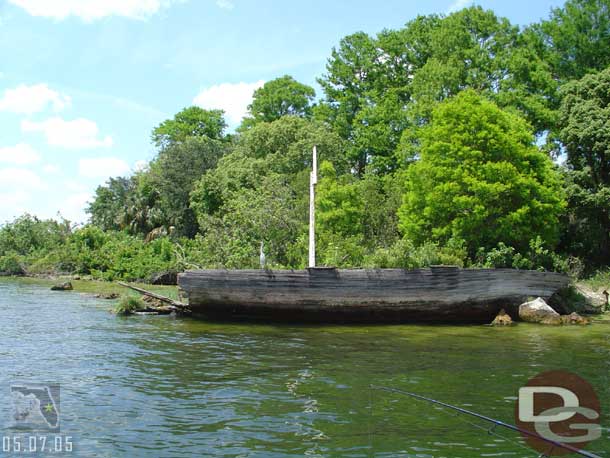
{"type": "Point", "coordinates": [90, 286]}
{"type": "Point", "coordinates": [100, 288]}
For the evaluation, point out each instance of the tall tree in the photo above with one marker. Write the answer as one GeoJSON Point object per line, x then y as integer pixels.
{"type": "Point", "coordinates": [173, 175]}
{"type": "Point", "coordinates": [190, 122]}
{"type": "Point", "coordinates": [110, 201]}
{"type": "Point", "coordinates": [350, 75]}
{"type": "Point", "coordinates": [473, 48]}
{"type": "Point", "coordinates": [585, 117]}
{"type": "Point", "coordinates": [282, 96]}
{"type": "Point", "coordinates": [578, 37]}
{"type": "Point", "coordinates": [259, 191]}
{"type": "Point", "coordinates": [142, 213]}
{"type": "Point", "coordinates": [281, 147]}
{"type": "Point", "coordinates": [378, 89]}
{"type": "Point", "coordinates": [480, 178]}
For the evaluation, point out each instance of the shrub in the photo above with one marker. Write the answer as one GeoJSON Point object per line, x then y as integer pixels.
{"type": "Point", "coordinates": [129, 305]}
{"type": "Point", "coordinates": [28, 234]}
{"type": "Point", "coordinates": [11, 264]}
{"type": "Point", "coordinates": [404, 254]}
{"type": "Point", "coordinates": [481, 178]}
{"type": "Point", "coordinates": [537, 257]}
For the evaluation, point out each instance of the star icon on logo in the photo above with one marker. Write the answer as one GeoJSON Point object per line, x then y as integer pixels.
{"type": "Point", "coordinates": [48, 407]}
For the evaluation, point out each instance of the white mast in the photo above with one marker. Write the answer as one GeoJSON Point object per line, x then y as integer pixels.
{"type": "Point", "coordinates": [313, 179]}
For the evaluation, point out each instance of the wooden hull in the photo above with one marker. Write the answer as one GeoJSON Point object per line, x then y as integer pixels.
{"type": "Point", "coordinates": [437, 294]}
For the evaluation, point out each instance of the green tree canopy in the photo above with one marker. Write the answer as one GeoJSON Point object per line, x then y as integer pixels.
{"type": "Point", "coordinates": [174, 173]}
{"type": "Point", "coordinates": [142, 212]}
{"type": "Point", "coordinates": [158, 197]}
{"type": "Point", "coordinates": [126, 203]}
{"type": "Point", "coordinates": [282, 147]}
{"type": "Point", "coordinates": [355, 83]}
{"type": "Point", "coordinates": [585, 117]}
{"type": "Point", "coordinates": [378, 89]}
{"type": "Point", "coordinates": [340, 219]}
{"type": "Point", "coordinates": [473, 48]}
{"type": "Point", "coordinates": [110, 201]}
{"type": "Point", "coordinates": [190, 122]}
{"type": "Point", "coordinates": [259, 192]}
{"type": "Point", "coordinates": [282, 96]}
{"type": "Point", "coordinates": [28, 234]}
{"type": "Point", "coordinates": [480, 178]}
{"type": "Point", "coordinates": [577, 36]}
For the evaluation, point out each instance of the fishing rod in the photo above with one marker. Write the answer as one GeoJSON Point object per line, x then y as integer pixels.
{"type": "Point", "coordinates": [488, 419]}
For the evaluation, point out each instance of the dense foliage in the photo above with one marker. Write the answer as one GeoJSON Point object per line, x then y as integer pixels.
{"type": "Point", "coordinates": [190, 122]}
{"type": "Point", "coordinates": [277, 98]}
{"type": "Point", "coordinates": [459, 139]}
{"type": "Point", "coordinates": [481, 179]}
{"type": "Point", "coordinates": [585, 121]}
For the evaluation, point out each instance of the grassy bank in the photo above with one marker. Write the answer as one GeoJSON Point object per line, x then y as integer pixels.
{"type": "Point", "coordinates": [93, 287]}
{"type": "Point", "coordinates": [598, 281]}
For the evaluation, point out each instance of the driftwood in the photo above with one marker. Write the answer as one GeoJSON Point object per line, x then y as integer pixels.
{"type": "Point", "coordinates": [440, 293]}
{"type": "Point", "coordinates": [175, 304]}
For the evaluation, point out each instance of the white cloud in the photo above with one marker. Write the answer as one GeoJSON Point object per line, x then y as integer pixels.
{"type": "Point", "coordinates": [16, 179]}
{"type": "Point", "coordinates": [14, 204]}
{"type": "Point", "coordinates": [20, 154]}
{"type": "Point", "coordinates": [102, 167]}
{"type": "Point", "coordinates": [73, 208]}
{"type": "Point", "coordinates": [75, 186]}
{"type": "Point", "coordinates": [32, 99]}
{"type": "Point", "coordinates": [51, 169]}
{"type": "Point", "coordinates": [458, 5]}
{"type": "Point", "coordinates": [225, 4]}
{"type": "Point", "coordinates": [18, 189]}
{"type": "Point", "coordinates": [79, 133]}
{"type": "Point", "coordinates": [90, 10]}
{"type": "Point", "coordinates": [232, 98]}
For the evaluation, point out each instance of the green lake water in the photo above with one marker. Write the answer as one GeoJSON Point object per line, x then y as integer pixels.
{"type": "Point", "coordinates": [176, 387]}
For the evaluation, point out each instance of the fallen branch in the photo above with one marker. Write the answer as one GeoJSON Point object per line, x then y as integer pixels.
{"type": "Point", "coordinates": [167, 300]}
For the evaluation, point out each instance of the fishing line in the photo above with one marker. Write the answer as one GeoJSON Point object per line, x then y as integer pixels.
{"type": "Point", "coordinates": [552, 443]}
{"type": "Point", "coordinates": [491, 432]}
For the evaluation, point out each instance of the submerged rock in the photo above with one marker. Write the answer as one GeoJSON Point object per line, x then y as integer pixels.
{"type": "Point", "coordinates": [152, 302]}
{"type": "Point", "coordinates": [67, 286]}
{"type": "Point", "coordinates": [108, 296]}
{"type": "Point", "coordinates": [595, 299]}
{"type": "Point", "coordinates": [538, 311]}
{"type": "Point", "coordinates": [156, 306]}
{"type": "Point", "coordinates": [502, 319]}
{"type": "Point", "coordinates": [155, 311]}
{"type": "Point", "coordinates": [574, 318]}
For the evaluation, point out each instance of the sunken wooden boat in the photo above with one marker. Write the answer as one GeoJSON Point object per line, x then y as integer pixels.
{"type": "Point", "coordinates": [322, 294]}
{"type": "Point", "coordinates": [436, 294]}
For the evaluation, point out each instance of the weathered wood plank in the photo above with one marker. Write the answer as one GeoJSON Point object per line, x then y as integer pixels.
{"type": "Point", "coordinates": [177, 305]}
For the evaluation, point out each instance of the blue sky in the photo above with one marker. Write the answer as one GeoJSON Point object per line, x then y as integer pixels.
{"type": "Point", "coordinates": [83, 82]}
